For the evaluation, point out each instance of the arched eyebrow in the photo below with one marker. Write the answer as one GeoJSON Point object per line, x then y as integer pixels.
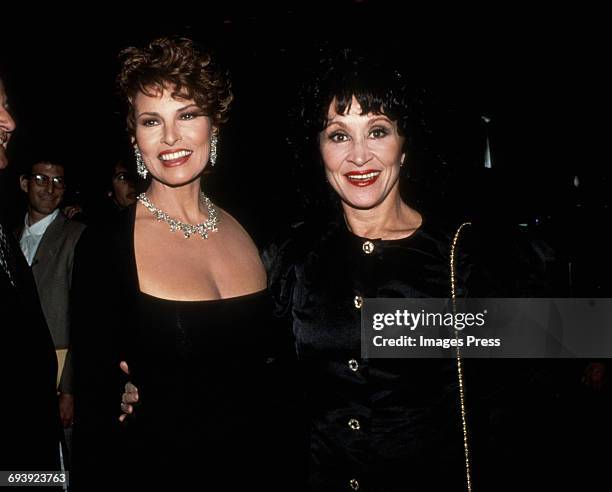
{"type": "Point", "coordinates": [381, 117]}
{"type": "Point", "coordinates": [377, 119]}
{"type": "Point", "coordinates": [335, 122]}
{"type": "Point", "coordinates": [153, 113]}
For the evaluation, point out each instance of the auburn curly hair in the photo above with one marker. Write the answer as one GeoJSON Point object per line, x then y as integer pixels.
{"type": "Point", "coordinates": [175, 63]}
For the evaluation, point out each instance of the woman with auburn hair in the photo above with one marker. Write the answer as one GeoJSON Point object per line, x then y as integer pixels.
{"type": "Point", "coordinates": [177, 288]}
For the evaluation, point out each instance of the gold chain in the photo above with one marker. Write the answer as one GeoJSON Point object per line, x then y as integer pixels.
{"type": "Point", "coordinates": [468, 472]}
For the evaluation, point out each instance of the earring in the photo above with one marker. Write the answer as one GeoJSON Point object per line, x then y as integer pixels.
{"type": "Point", "coordinates": [141, 169]}
{"type": "Point", "coordinates": [213, 150]}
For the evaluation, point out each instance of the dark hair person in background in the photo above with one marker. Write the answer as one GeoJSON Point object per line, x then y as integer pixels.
{"type": "Point", "coordinates": [122, 189]}
{"type": "Point", "coordinates": [28, 366]}
{"type": "Point", "coordinates": [179, 290]}
{"type": "Point", "coordinates": [115, 192]}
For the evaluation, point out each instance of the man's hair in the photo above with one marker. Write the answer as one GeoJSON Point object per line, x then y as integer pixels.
{"type": "Point", "coordinates": [50, 160]}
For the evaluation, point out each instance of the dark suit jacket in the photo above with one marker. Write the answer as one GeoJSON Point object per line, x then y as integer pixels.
{"type": "Point", "coordinates": [30, 416]}
{"type": "Point", "coordinates": [52, 269]}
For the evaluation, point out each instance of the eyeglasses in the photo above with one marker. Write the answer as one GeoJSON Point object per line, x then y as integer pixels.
{"type": "Point", "coordinates": [43, 180]}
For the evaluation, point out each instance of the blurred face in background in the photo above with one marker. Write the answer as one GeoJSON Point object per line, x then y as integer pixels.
{"type": "Point", "coordinates": [123, 190]}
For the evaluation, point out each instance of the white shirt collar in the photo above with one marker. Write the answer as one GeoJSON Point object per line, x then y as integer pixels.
{"type": "Point", "coordinates": [32, 235]}
{"type": "Point", "coordinates": [39, 228]}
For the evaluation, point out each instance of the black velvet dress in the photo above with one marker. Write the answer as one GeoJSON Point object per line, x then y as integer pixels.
{"type": "Point", "coordinates": [378, 424]}
{"type": "Point", "coordinates": [208, 413]}
{"type": "Point", "coordinates": [212, 412]}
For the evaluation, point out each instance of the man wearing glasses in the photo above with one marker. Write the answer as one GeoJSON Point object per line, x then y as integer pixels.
{"type": "Point", "coordinates": [48, 239]}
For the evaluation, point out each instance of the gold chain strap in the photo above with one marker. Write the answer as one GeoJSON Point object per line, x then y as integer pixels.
{"type": "Point", "coordinates": [468, 472]}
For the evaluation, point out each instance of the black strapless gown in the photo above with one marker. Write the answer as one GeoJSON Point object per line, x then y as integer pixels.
{"type": "Point", "coordinates": [210, 411]}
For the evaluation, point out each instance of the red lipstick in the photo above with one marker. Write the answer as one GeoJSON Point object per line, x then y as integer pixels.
{"type": "Point", "coordinates": [363, 178]}
{"type": "Point", "coordinates": [174, 157]}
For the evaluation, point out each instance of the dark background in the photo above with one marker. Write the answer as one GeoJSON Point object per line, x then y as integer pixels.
{"type": "Point", "coordinates": [537, 75]}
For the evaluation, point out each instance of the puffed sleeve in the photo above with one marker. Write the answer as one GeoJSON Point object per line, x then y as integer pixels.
{"type": "Point", "coordinates": [280, 258]}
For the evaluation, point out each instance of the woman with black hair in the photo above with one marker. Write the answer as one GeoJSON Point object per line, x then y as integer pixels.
{"type": "Point", "coordinates": [390, 424]}
{"type": "Point", "coordinates": [374, 424]}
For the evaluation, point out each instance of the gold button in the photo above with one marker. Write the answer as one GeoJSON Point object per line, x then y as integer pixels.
{"type": "Point", "coordinates": [368, 247]}
{"type": "Point", "coordinates": [358, 301]}
{"type": "Point", "coordinates": [354, 483]}
{"type": "Point", "coordinates": [354, 424]}
{"type": "Point", "coordinates": [353, 364]}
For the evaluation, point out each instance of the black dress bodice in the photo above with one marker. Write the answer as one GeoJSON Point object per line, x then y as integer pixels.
{"type": "Point", "coordinates": [209, 408]}
{"type": "Point", "coordinates": [212, 380]}
{"type": "Point", "coordinates": [201, 367]}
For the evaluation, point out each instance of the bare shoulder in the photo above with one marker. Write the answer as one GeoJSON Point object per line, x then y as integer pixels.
{"type": "Point", "coordinates": [233, 232]}
{"type": "Point", "coordinates": [239, 248]}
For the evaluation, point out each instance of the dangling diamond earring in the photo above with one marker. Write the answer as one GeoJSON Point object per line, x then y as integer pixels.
{"type": "Point", "coordinates": [141, 169]}
{"type": "Point", "coordinates": [213, 150]}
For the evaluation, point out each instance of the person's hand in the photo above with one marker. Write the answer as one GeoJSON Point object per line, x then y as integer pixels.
{"type": "Point", "coordinates": [66, 409]}
{"type": "Point", "coordinates": [71, 210]}
{"type": "Point", "coordinates": [129, 397]}
{"type": "Point", "coordinates": [595, 376]}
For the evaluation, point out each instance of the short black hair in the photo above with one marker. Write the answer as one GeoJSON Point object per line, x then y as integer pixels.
{"type": "Point", "coordinates": [382, 85]}
{"type": "Point", "coordinates": [373, 82]}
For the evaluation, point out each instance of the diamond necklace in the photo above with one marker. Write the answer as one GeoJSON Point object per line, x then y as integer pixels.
{"type": "Point", "coordinates": [187, 229]}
